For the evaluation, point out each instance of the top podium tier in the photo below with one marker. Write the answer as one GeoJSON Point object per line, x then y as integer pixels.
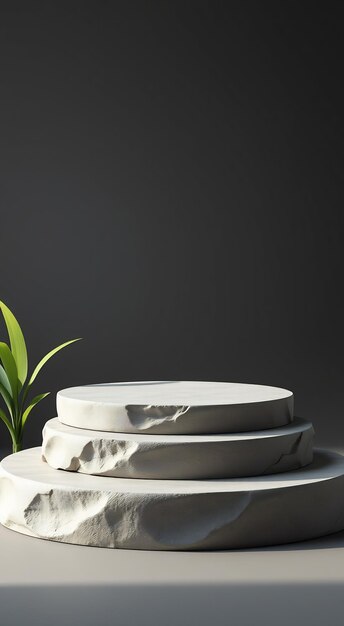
{"type": "Point", "coordinates": [175, 407]}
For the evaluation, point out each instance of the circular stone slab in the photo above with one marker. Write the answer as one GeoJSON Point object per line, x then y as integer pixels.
{"type": "Point", "coordinates": [175, 407]}
{"type": "Point", "coordinates": [171, 514]}
{"type": "Point", "coordinates": [178, 456]}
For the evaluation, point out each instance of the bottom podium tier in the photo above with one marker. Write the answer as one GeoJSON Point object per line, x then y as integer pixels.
{"type": "Point", "coordinates": [171, 514]}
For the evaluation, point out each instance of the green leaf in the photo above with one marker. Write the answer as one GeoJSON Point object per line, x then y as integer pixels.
{"type": "Point", "coordinates": [47, 357]}
{"type": "Point", "coordinates": [7, 398]}
{"type": "Point", "coordinates": [4, 380]}
{"type": "Point", "coordinates": [9, 364]}
{"type": "Point", "coordinates": [6, 421]}
{"type": "Point", "coordinates": [17, 342]}
{"type": "Point", "coordinates": [33, 403]}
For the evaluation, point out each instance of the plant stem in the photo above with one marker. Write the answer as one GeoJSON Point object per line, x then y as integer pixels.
{"type": "Point", "coordinates": [17, 446]}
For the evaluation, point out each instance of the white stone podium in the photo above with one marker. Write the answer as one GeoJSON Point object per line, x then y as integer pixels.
{"type": "Point", "coordinates": [174, 466]}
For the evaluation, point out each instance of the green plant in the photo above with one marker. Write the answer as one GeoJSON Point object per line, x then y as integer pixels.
{"type": "Point", "coordinates": [14, 383]}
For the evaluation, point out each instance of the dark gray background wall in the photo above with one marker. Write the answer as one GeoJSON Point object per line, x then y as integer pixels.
{"type": "Point", "coordinates": [171, 189]}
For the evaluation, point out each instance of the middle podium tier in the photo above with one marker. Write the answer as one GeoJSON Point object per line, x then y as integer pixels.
{"type": "Point", "coordinates": [178, 457]}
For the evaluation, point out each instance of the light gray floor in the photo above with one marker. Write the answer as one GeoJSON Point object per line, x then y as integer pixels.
{"type": "Point", "coordinates": [46, 583]}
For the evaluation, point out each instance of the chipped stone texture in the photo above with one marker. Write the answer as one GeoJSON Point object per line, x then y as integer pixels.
{"type": "Point", "coordinates": [175, 407]}
{"type": "Point", "coordinates": [178, 457]}
{"type": "Point", "coordinates": [171, 515]}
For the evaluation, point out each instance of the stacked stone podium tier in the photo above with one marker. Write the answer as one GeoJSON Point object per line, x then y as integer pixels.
{"type": "Point", "coordinates": [178, 456]}
{"type": "Point", "coordinates": [171, 515]}
{"type": "Point", "coordinates": [174, 466]}
{"type": "Point", "coordinates": [175, 407]}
